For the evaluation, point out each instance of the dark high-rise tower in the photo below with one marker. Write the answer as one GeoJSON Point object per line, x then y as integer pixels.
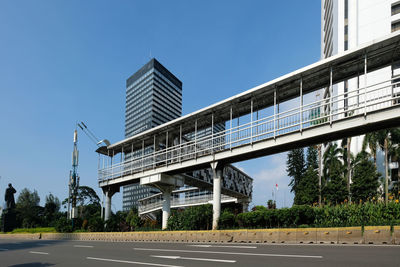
{"type": "Point", "coordinates": [153, 97]}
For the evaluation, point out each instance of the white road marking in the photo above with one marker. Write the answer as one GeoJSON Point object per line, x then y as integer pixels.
{"type": "Point", "coordinates": [3, 249]}
{"type": "Point", "coordinates": [194, 259]}
{"type": "Point", "coordinates": [231, 253]}
{"type": "Point", "coordinates": [132, 262]}
{"type": "Point", "coordinates": [213, 246]}
{"type": "Point", "coordinates": [38, 252]}
{"type": "Point", "coordinates": [82, 246]}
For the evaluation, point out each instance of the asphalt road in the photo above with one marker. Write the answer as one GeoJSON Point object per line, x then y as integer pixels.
{"type": "Point", "coordinates": [40, 253]}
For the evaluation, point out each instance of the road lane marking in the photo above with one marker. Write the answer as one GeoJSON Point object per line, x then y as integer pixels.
{"type": "Point", "coordinates": [3, 249]}
{"type": "Point", "coordinates": [193, 259]}
{"type": "Point", "coordinates": [82, 246]}
{"type": "Point", "coordinates": [132, 262]}
{"type": "Point", "coordinates": [231, 253]}
{"type": "Point", "coordinates": [213, 246]}
{"type": "Point", "coordinates": [38, 252]}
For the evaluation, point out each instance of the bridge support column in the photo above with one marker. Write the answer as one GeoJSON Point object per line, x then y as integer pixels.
{"type": "Point", "coordinates": [245, 206]}
{"type": "Point", "coordinates": [217, 176]}
{"type": "Point", "coordinates": [109, 192]}
{"type": "Point", "coordinates": [166, 207]}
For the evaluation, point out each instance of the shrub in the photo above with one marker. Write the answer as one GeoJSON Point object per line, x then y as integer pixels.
{"type": "Point", "coordinates": [192, 218]}
{"type": "Point", "coordinates": [226, 220]}
{"type": "Point", "coordinates": [95, 224]}
{"type": "Point", "coordinates": [63, 225]}
{"type": "Point", "coordinates": [253, 219]}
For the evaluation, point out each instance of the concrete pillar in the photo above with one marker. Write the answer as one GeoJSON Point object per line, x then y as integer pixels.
{"type": "Point", "coordinates": [166, 207]}
{"type": "Point", "coordinates": [217, 176]}
{"type": "Point", "coordinates": [109, 192]}
{"type": "Point", "coordinates": [107, 212]}
{"type": "Point", "coordinates": [245, 206]}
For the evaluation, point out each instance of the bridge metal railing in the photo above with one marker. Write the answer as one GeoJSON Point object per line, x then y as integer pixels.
{"type": "Point", "coordinates": [180, 198]}
{"type": "Point", "coordinates": [325, 111]}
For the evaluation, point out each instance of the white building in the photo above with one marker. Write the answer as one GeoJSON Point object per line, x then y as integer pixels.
{"type": "Point", "coordinates": [346, 24]}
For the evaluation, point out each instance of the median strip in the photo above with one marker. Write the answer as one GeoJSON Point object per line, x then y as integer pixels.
{"type": "Point", "coordinates": [231, 253]}
{"type": "Point", "coordinates": [132, 262]}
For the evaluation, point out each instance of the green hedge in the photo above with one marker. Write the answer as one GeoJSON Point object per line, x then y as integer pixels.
{"type": "Point", "coordinates": [326, 216]}
{"type": "Point", "coordinates": [192, 218]}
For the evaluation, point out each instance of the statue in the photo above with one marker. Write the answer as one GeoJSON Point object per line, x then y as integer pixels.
{"type": "Point", "coordinates": [9, 197]}
{"type": "Point", "coordinates": [8, 219]}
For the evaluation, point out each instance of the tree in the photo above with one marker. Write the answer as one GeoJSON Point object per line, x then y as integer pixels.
{"type": "Point", "coordinates": [87, 200]}
{"type": "Point", "coordinates": [27, 198]}
{"type": "Point", "coordinates": [334, 190]}
{"type": "Point", "coordinates": [86, 196]}
{"type": "Point", "coordinates": [395, 157]}
{"type": "Point", "coordinates": [307, 189]}
{"type": "Point", "coordinates": [386, 140]}
{"type": "Point", "coordinates": [347, 158]}
{"type": "Point", "coordinates": [371, 140]}
{"type": "Point", "coordinates": [29, 213]}
{"type": "Point", "coordinates": [366, 178]}
{"type": "Point", "coordinates": [51, 209]}
{"type": "Point", "coordinates": [295, 167]}
{"type": "Point", "coordinates": [332, 159]}
{"type": "Point", "coordinates": [312, 157]}
{"type": "Point", "coordinates": [133, 219]}
{"type": "Point", "coordinates": [271, 204]}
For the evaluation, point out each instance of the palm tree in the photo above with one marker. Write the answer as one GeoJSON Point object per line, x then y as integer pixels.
{"type": "Point", "coordinates": [332, 157]}
{"type": "Point", "coordinates": [387, 139]}
{"type": "Point", "coordinates": [371, 140]}
{"type": "Point", "coordinates": [334, 190]}
{"type": "Point", "coordinates": [346, 144]}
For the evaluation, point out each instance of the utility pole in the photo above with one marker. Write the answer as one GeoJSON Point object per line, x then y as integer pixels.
{"type": "Point", "coordinates": [74, 180]}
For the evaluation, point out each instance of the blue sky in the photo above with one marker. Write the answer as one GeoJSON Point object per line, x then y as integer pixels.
{"type": "Point", "coordinates": [68, 61]}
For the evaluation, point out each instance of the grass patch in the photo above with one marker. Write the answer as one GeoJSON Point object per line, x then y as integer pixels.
{"type": "Point", "coordinates": [34, 230]}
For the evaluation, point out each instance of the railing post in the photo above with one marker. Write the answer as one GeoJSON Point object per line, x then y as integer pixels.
{"type": "Point", "coordinates": [142, 154]}
{"type": "Point", "coordinates": [358, 88]}
{"type": "Point", "coordinates": [330, 97]}
{"type": "Point", "coordinates": [301, 104]}
{"type": "Point", "coordinates": [154, 153]}
{"type": "Point", "coordinates": [112, 168]}
{"type": "Point", "coordinates": [251, 122]}
{"type": "Point", "coordinates": [212, 132]}
{"type": "Point", "coordinates": [122, 161]}
{"type": "Point", "coordinates": [274, 112]}
{"type": "Point", "coordinates": [180, 143]}
{"type": "Point", "coordinates": [230, 131]}
{"type": "Point", "coordinates": [195, 139]}
{"type": "Point", "coordinates": [166, 149]}
{"type": "Point", "coordinates": [365, 85]}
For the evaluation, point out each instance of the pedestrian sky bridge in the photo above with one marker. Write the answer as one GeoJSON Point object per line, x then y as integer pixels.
{"type": "Point", "coordinates": [274, 117]}
{"type": "Point", "coordinates": [181, 198]}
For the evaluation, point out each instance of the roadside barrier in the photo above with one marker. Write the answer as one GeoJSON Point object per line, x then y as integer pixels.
{"type": "Point", "coordinates": [327, 235]}
{"type": "Point", "coordinates": [287, 236]}
{"type": "Point", "coordinates": [350, 235]}
{"type": "Point", "coordinates": [377, 235]}
{"type": "Point", "coordinates": [342, 235]}
{"type": "Point", "coordinates": [306, 235]}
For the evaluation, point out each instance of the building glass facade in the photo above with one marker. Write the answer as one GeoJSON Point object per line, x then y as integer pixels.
{"type": "Point", "coordinates": [153, 97]}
